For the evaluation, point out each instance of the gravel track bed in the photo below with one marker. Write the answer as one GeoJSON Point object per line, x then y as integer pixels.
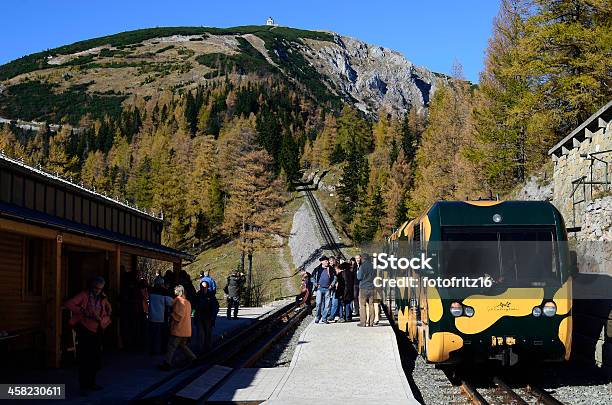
{"type": "Point", "coordinates": [281, 353]}
{"type": "Point", "coordinates": [575, 383]}
{"type": "Point", "coordinates": [433, 384]}
{"type": "Point", "coordinates": [571, 383]}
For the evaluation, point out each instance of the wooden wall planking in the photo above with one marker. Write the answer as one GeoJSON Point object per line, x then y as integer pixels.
{"type": "Point", "coordinates": [16, 310]}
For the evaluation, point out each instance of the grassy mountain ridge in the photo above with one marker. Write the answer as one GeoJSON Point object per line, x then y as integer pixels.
{"type": "Point", "coordinates": [94, 76]}
{"type": "Point", "coordinates": [36, 61]}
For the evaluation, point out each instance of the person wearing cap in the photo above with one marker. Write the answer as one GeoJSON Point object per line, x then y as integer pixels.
{"type": "Point", "coordinates": [323, 278]}
{"type": "Point", "coordinates": [233, 291]}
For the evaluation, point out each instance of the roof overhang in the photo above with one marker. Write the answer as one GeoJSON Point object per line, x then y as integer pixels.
{"type": "Point", "coordinates": [143, 248]}
{"type": "Point", "coordinates": [596, 121]}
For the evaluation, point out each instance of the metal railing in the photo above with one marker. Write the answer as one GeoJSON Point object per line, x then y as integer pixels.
{"type": "Point", "coordinates": [582, 182]}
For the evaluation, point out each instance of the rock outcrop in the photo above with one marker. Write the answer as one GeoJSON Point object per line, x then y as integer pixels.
{"type": "Point", "coordinates": [372, 76]}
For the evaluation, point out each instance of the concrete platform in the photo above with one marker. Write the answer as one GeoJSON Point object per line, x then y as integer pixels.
{"type": "Point", "coordinates": [333, 363]}
{"type": "Point", "coordinates": [248, 385]}
{"type": "Point", "coordinates": [204, 383]}
{"type": "Point", "coordinates": [356, 365]}
{"type": "Point", "coordinates": [125, 374]}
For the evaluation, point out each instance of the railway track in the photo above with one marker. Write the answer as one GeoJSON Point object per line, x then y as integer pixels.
{"type": "Point", "coordinates": [239, 351]}
{"type": "Point", "coordinates": [323, 226]}
{"type": "Point", "coordinates": [502, 393]}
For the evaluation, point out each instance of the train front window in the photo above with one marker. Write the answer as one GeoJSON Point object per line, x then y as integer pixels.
{"type": "Point", "coordinates": [525, 256]}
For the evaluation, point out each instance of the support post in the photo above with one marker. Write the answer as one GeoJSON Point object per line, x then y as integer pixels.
{"type": "Point", "coordinates": [54, 309]}
{"type": "Point", "coordinates": [176, 267]}
{"type": "Point", "coordinates": [115, 287]}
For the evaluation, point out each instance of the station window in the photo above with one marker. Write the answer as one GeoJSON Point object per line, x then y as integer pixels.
{"type": "Point", "coordinates": [86, 212]}
{"type": "Point", "coordinates": [29, 194]}
{"type": "Point", "coordinates": [5, 186]}
{"type": "Point", "coordinates": [33, 267]}
{"type": "Point", "coordinates": [70, 206]}
{"type": "Point", "coordinates": [101, 217]}
{"type": "Point", "coordinates": [60, 203]}
{"type": "Point", "coordinates": [121, 228]}
{"type": "Point", "coordinates": [50, 200]}
{"type": "Point", "coordinates": [108, 218]}
{"type": "Point", "coordinates": [78, 209]}
{"type": "Point", "coordinates": [40, 197]}
{"type": "Point", "coordinates": [94, 214]}
{"type": "Point", "coordinates": [18, 190]}
{"type": "Point", "coordinates": [115, 216]}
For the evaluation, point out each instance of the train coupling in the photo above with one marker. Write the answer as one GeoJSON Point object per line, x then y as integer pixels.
{"type": "Point", "coordinates": [507, 357]}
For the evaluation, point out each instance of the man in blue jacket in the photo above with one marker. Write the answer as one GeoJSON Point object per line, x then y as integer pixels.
{"type": "Point", "coordinates": [323, 277]}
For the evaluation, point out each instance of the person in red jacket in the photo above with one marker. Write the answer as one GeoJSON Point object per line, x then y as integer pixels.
{"type": "Point", "coordinates": [180, 328]}
{"type": "Point", "coordinates": [91, 315]}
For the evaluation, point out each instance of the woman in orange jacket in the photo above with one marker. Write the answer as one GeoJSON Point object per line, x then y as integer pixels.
{"type": "Point", "coordinates": [180, 328]}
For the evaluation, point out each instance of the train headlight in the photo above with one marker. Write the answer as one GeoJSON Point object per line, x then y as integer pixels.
{"type": "Point", "coordinates": [468, 311]}
{"type": "Point", "coordinates": [536, 311]}
{"type": "Point", "coordinates": [456, 309]}
{"type": "Point", "coordinates": [550, 309]}
{"type": "Point", "coordinates": [497, 218]}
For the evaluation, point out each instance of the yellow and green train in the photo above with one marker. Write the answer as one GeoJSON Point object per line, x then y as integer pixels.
{"type": "Point", "coordinates": [523, 314]}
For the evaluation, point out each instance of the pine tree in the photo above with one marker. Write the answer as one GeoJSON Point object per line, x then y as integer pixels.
{"type": "Point", "coordinates": [254, 206]}
{"type": "Point", "coordinates": [9, 145]}
{"type": "Point", "coordinates": [442, 171]}
{"type": "Point", "coordinates": [94, 170]}
{"type": "Point", "coordinates": [353, 128]}
{"type": "Point", "coordinates": [500, 129]}
{"type": "Point", "coordinates": [58, 160]}
{"type": "Point", "coordinates": [140, 185]}
{"type": "Point", "coordinates": [353, 182]}
{"type": "Point", "coordinates": [565, 56]}
{"type": "Point", "coordinates": [326, 150]}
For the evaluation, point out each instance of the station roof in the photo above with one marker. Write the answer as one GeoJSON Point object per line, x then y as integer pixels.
{"type": "Point", "coordinates": [47, 177]}
{"type": "Point", "coordinates": [38, 218]}
{"type": "Point", "coordinates": [22, 213]}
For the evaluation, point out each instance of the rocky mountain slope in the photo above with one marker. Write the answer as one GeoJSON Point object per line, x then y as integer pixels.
{"type": "Point", "coordinates": [96, 76]}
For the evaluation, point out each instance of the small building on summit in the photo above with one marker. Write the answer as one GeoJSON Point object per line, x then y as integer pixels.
{"type": "Point", "coordinates": [270, 22]}
{"type": "Point", "coordinates": [54, 237]}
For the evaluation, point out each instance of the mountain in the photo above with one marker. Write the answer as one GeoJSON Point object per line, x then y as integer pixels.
{"type": "Point", "coordinates": [99, 76]}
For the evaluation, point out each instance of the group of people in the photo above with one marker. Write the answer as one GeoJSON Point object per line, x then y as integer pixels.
{"type": "Point", "coordinates": [172, 308]}
{"type": "Point", "coordinates": [343, 289]}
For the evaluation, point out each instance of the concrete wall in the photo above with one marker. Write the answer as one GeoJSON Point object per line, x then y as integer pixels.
{"type": "Point", "coordinates": [572, 165]}
{"type": "Point", "coordinates": [592, 310]}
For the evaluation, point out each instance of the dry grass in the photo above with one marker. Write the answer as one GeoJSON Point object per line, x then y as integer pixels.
{"type": "Point", "coordinates": [268, 264]}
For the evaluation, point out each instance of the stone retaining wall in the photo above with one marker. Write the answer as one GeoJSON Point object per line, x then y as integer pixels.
{"type": "Point", "coordinates": [573, 165]}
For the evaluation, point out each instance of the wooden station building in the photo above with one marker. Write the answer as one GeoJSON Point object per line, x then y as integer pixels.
{"type": "Point", "coordinates": [54, 237]}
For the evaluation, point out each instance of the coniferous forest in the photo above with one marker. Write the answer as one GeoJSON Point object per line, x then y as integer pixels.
{"type": "Point", "coordinates": [191, 153]}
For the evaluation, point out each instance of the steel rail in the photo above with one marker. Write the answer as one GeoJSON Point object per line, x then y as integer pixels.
{"type": "Point", "coordinates": [505, 388]}
{"type": "Point", "coordinates": [473, 395]}
{"type": "Point", "coordinates": [229, 349]}
{"type": "Point", "coordinates": [323, 226]}
{"type": "Point", "coordinates": [542, 395]}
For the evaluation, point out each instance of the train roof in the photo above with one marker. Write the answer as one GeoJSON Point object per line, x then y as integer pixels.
{"type": "Point", "coordinates": [481, 212]}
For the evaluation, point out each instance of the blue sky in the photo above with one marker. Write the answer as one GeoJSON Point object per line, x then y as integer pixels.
{"type": "Point", "coordinates": [432, 33]}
